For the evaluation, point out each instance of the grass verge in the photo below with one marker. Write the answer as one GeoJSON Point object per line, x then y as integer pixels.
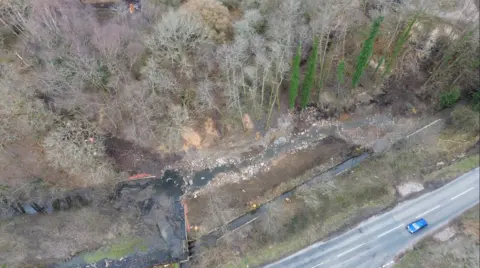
{"type": "Point", "coordinates": [317, 212]}
{"type": "Point", "coordinates": [122, 248]}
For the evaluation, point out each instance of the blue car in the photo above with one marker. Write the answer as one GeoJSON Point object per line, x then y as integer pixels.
{"type": "Point", "coordinates": [417, 226]}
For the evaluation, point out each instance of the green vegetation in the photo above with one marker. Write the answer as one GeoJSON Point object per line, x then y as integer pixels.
{"type": "Point", "coordinates": [465, 119]}
{"type": "Point", "coordinates": [366, 52]}
{"type": "Point", "coordinates": [295, 78]}
{"type": "Point", "coordinates": [456, 169]}
{"type": "Point", "coordinates": [341, 72]}
{"type": "Point", "coordinates": [117, 250]}
{"type": "Point", "coordinates": [449, 98]}
{"type": "Point", "coordinates": [309, 79]}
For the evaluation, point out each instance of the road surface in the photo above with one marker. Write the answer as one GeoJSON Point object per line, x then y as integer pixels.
{"type": "Point", "coordinates": [375, 242]}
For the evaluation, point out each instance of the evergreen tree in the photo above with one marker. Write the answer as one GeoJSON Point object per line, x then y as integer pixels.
{"type": "Point", "coordinates": [310, 76]}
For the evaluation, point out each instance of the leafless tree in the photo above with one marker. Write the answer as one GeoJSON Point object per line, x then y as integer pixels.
{"type": "Point", "coordinates": [206, 100]}
{"type": "Point", "coordinates": [175, 38]}
{"type": "Point", "coordinates": [231, 58]}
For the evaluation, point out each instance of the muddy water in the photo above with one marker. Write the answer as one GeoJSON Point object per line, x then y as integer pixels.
{"type": "Point", "coordinates": [70, 200]}
{"type": "Point", "coordinates": [203, 177]}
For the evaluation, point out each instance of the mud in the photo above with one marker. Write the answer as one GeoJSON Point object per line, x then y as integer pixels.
{"type": "Point", "coordinates": [287, 168]}
{"type": "Point", "coordinates": [134, 159]}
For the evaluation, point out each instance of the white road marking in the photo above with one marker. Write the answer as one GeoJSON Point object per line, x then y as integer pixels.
{"type": "Point", "coordinates": [350, 250]}
{"type": "Point", "coordinates": [428, 211]}
{"type": "Point", "coordinates": [391, 230]}
{"type": "Point", "coordinates": [254, 219]}
{"type": "Point", "coordinates": [323, 262]}
{"type": "Point", "coordinates": [455, 197]}
{"type": "Point", "coordinates": [434, 122]}
{"type": "Point", "coordinates": [317, 265]}
{"type": "Point", "coordinates": [387, 264]}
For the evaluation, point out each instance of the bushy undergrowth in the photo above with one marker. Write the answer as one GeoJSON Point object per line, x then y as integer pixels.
{"type": "Point", "coordinates": [465, 119]}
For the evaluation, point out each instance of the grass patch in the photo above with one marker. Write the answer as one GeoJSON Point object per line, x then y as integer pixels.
{"type": "Point", "coordinates": [465, 119]}
{"type": "Point", "coordinates": [455, 169]}
{"type": "Point", "coordinates": [471, 214]}
{"type": "Point", "coordinates": [122, 248]}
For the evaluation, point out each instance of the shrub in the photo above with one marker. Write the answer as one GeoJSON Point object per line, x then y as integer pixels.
{"type": "Point", "coordinates": [465, 119]}
{"type": "Point", "coordinates": [449, 98]}
{"type": "Point", "coordinates": [78, 149]}
{"type": "Point", "coordinates": [21, 113]}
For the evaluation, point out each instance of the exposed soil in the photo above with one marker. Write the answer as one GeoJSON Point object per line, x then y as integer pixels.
{"type": "Point", "coordinates": [409, 187]}
{"type": "Point", "coordinates": [134, 159]}
{"type": "Point", "coordinates": [284, 169]}
{"type": "Point", "coordinates": [402, 97]}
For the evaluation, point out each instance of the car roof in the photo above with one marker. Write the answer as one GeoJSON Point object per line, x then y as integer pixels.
{"type": "Point", "coordinates": [422, 221]}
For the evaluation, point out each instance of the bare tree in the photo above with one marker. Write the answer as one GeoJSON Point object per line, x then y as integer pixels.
{"type": "Point", "coordinates": [205, 96]}
{"type": "Point", "coordinates": [175, 38]}
{"type": "Point", "coordinates": [231, 58]}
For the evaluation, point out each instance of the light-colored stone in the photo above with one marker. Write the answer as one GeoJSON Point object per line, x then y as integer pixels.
{"type": "Point", "coordinates": [409, 187]}
{"type": "Point", "coordinates": [445, 234]}
{"type": "Point", "coordinates": [247, 122]}
{"type": "Point", "coordinates": [364, 98]}
{"type": "Point", "coordinates": [280, 141]}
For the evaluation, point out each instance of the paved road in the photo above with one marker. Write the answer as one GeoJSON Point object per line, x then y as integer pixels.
{"type": "Point", "coordinates": [375, 242]}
